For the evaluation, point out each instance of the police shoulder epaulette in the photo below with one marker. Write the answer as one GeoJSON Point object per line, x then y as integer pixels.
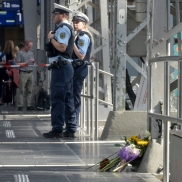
{"type": "Point", "coordinates": [69, 26]}
{"type": "Point", "coordinates": [84, 32]}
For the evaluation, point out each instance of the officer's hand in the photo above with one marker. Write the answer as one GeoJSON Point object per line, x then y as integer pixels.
{"type": "Point", "coordinates": [50, 35]}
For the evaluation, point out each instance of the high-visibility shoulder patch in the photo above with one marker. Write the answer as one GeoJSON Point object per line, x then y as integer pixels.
{"type": "Point", "coordinates": [81, 43]}
{"type": "Point", "coordinates": [62, 35]}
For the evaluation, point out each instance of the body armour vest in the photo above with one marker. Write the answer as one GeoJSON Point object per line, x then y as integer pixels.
{"type": "Point", "coordinates": [87, 56]}
{"type": "Point", "coordinates": [69, 50]}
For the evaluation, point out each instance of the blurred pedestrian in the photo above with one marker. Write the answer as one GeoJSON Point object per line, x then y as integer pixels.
{"type": "Point", "coordinates": [25, 80]}
{"type": "Point", "coordinates": [21, 46]}
{"type": "Point", "coordinates": [9, 45]}
{"type": "Point", "coordinates": [2, 72]}
{"type": "Point", "coordinates": [13, 73]}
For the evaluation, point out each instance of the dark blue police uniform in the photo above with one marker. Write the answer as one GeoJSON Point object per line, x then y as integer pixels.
{"type": "Point", "coordinates": [62, 85]}
{"type": "Point", "coordinates": [84, 45]}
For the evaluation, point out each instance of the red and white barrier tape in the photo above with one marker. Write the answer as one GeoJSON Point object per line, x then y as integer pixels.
{"type": "Point", "coordinates": [18, 66]}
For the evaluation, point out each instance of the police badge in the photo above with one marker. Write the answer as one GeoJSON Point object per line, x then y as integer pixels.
{"type": "Point", "coordinates": [81, 43]}
{"type": "Point", "coordinates": [62, 35]}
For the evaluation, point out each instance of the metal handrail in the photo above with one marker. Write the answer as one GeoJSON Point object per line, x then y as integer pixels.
{"type": "Point", "coordinates": [165, 117]}
{"type": "Point", "coordinates": [89, 109]}
{"type": "Point", "coordinates": [165, 58]}
{"type": "Point", "coordinates": [106, 73]}
{"type": "Point", "coordinates": [104, 102]}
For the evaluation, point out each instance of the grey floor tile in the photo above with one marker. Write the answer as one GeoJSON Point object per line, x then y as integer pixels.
{"type": "Point", "coordinates": [53, 160]}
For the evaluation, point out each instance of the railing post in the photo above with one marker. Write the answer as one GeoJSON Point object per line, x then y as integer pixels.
{"type": "Point", "coordinates": [150, 12]}
{"type": "Point", "coordinates": [166, 122]}
{"type": "Point", "coordinates": [92, 101]}
{"type": "Point", "coordinates": [179, 62]}
{"type": "Point", "coordinates": [166, 104]}
{"type": "Point", "coordinates": [88, 101]}
{"type": "Point", "coordinates": [83, 108]}
{"type": "Point", "coordinates": [149, 101]}
{"type": "Point", "coordinates": [96, 98]}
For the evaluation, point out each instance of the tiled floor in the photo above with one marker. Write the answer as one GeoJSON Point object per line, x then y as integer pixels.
{"type": "Point", "coordinates": [25, 156]}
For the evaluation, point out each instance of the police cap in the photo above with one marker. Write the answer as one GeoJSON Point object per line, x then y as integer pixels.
{"type": "Point", "coordinates": [79, 16]}
{"type": "Point", "coordinates": [61, 9]}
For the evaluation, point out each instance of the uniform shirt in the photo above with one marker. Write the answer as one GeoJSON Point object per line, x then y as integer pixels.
{"type": "Point", "coordinates": [23, 57]}
{"type": "Point", "coordinates": [83, 43]}
{"type": "Point", "coordinates": [62, 36]}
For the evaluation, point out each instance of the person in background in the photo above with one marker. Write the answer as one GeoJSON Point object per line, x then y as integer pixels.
{"type": "Point", "coordinates": [9, 45]}
{"type": "Point", "coordinates": [13, 73]}
{"type": "Point", "coordinates": [21, 46]}
{"type": "Point", "coordinates": [2, 72]}
{"type": "Point", "coordinates": [25, 80]}
{"type": "Point", "coordinates": [81, 56]}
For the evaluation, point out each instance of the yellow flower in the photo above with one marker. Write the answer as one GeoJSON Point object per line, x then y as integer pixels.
{"type": "Point", "coordinates": [138, 141]}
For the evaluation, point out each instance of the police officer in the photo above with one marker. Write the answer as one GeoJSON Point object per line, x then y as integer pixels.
{"type": "Point", "coordinates": [62, 41]}
{"type": "Point", "coordinates": [81, 55]}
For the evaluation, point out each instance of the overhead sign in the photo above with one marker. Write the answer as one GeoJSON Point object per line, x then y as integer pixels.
{"type": "Point", "coordinates": [10, 5]}
{"type": "Point", "coordinates": [10, 18]}
{"type": "Point", "coordinates": [7, 18]}
{"type": "Point", "coordinates": [7, 22]}
{"type": "Point", "coordinates": [7, 14]}
{"type": "Point", "coordinates": [19, 18]}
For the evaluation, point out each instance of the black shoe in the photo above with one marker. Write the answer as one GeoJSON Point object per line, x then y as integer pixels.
{"type": "Point", "coordinates": [30, 108]}
{"type": "Point", "coordinates": [20, 108]}
{"type": "Point", "coordinates": [69, 134]}
{"type": "Point", "coordinates": [53, 134]}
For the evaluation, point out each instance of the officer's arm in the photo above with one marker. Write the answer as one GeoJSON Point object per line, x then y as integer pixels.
{"type": "Point", "coordinates": [79, 55]}
{"type": "Point", "coordinates": [82, 45]}
{"type": "Point", "coordinates": [58, 46]}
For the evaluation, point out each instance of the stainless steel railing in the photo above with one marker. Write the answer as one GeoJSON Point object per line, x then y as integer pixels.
{"type": "Point", "coordinates": [90, 99]}
{"type": "Point", "coordinates": [88, 119]}
{"type": "Point", "coordinates": [165, 117]}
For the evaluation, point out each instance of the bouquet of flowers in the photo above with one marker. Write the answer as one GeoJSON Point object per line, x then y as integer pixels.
{"type": "Point", "coordinates": [134, 147]}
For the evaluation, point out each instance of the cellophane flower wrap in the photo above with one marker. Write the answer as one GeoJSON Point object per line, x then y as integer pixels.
{"type": "Point", "coordinates": [133, 148]}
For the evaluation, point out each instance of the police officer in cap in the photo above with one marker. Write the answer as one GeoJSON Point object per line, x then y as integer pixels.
{"type": "Point", "coordinates": [62, 41]}
{"type": "Point", "coordinates": [81, 55]}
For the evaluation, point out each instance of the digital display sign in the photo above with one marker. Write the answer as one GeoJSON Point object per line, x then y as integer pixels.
{"type": "Point", "coordinates": [7, 18]}
{"type": "Point", "coordinates": [7, 14]}
{"type": "Point", "coordinates": [10, 5]}
{"type": "Point", "coordinates": [11, 14]}
{"type": "Point", "coordinates": [10, 18]}
{"type": "Point", "coordinates": [7, 22]}
{"type": "Point", "coordinates": [19, 18]}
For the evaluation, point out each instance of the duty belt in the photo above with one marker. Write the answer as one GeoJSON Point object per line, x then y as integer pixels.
{"type": "Point", "coordinates": [58, 64]}
{"type": "Point", "coordinates": [77, 63]}
{"type": "Point", "coordinates": [80, 63]}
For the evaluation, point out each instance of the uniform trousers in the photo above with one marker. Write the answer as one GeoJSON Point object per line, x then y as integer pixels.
{"type": "Point", "coordinates": [80, 73]}
{"type": "Point", "coordinates": [62, 99]}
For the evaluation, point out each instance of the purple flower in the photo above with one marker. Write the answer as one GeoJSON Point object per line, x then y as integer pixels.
{"type": "Point", "coordinates": [128, 153]}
